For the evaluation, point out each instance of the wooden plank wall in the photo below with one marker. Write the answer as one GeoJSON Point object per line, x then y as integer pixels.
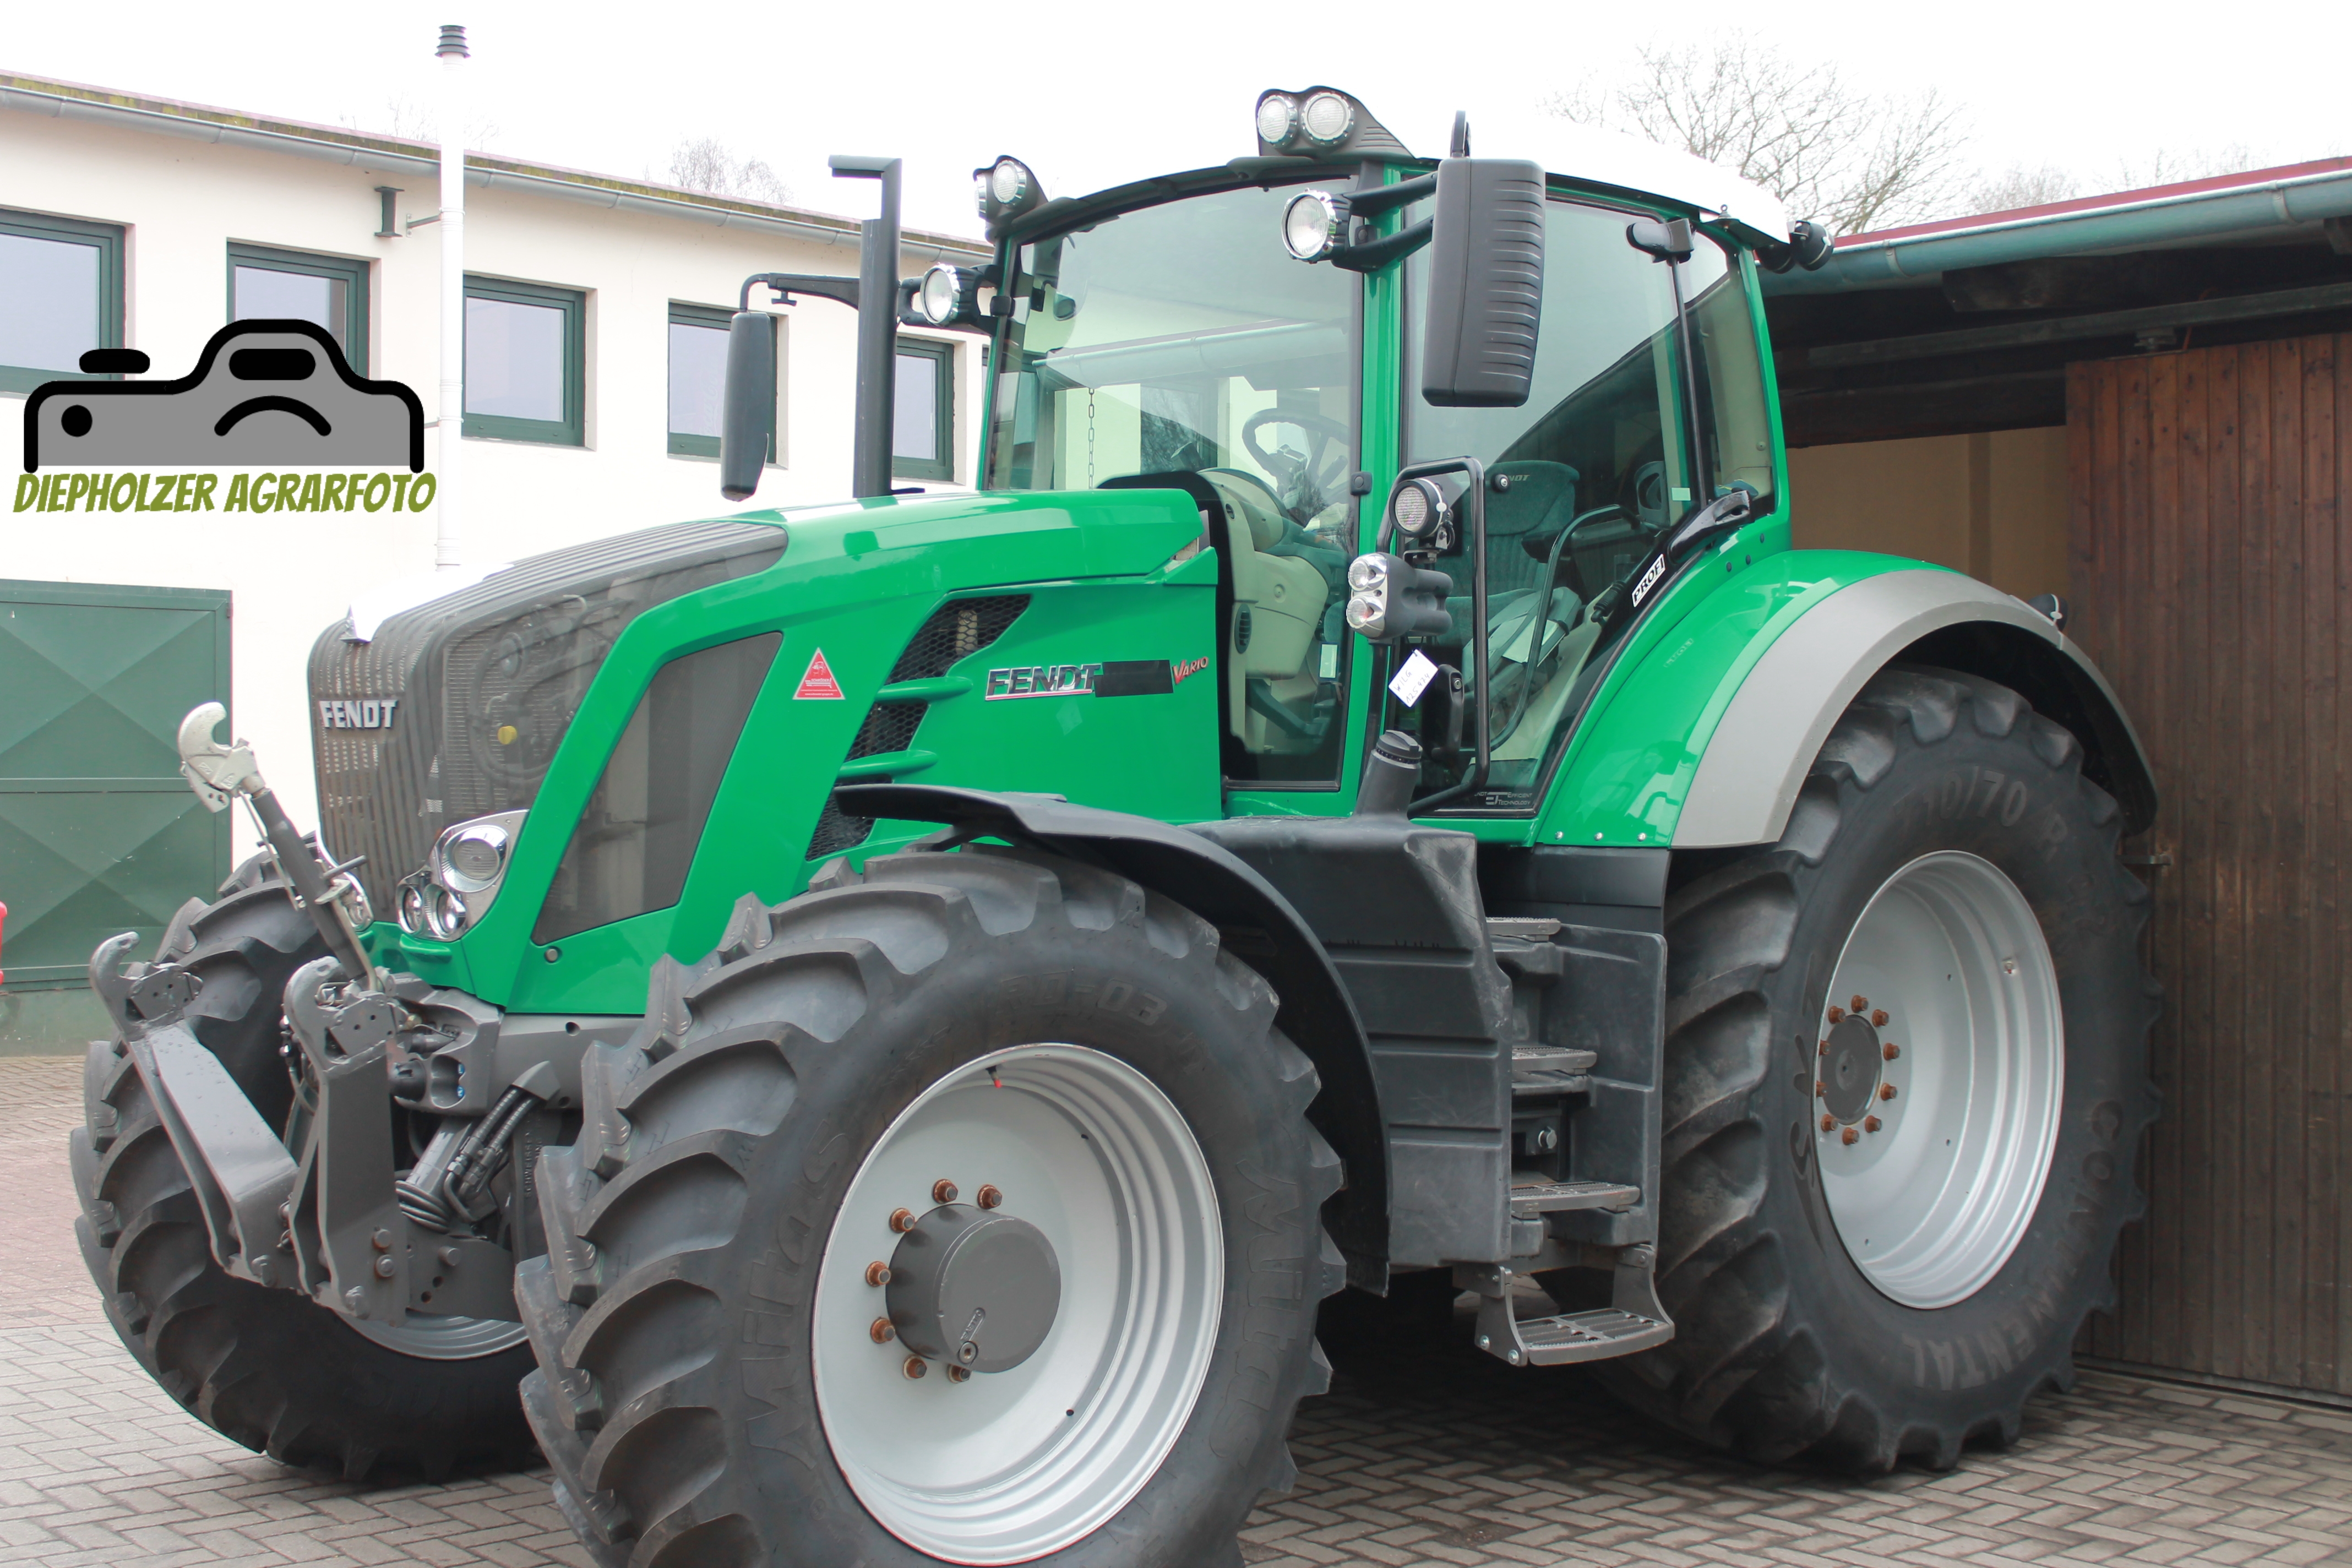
{"type": "Point", "coordinates": [2211, 544]}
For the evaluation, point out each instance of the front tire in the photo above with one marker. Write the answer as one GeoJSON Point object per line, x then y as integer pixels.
{"type": "Point", "coordinates": [267, 1368]}
{"type": "Point", "coordinates": [1905, 1083]}
{"type": "Point", "coordinates": [722, 1379]}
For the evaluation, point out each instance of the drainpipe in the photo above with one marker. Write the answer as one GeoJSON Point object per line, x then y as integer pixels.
{"type": "Point", "coordinates": [448, 515]}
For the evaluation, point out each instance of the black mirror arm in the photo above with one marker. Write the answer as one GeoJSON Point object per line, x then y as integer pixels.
{"type": "Point", "coordinates": [787, 284]}
{"type": "Point", "coordinates": [1373, 255]}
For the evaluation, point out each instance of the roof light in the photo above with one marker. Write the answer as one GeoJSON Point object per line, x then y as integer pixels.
{"type": "Point", "coordinates": [1328, 117]}
{"type": "Point", "coordinates": [1008, 182]}
{"type": "Point", "coordinates": [1005, 190]}
{"type": "Point", "coordinates": [1277, 117]}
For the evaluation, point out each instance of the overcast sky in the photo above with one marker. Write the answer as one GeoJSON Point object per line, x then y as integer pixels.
{"type": "Point", "coordinates": [1093, 93]}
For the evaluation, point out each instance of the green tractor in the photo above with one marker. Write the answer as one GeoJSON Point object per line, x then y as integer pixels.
{"type": "Point", "coordinates": [888, 1020]}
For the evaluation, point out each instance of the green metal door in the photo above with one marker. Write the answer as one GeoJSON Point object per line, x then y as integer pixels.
{"type": "Point", "coordinates": [98, 832]}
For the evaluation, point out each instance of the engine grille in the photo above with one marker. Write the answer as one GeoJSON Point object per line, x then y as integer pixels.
{"type": "Point", "coordinates": [955, 631]}
{"type": "Point", "coordinates": [486, 680]}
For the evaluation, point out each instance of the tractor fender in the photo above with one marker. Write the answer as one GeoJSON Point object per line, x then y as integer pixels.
{"type": "Point", "coordinates": [1258, 925]}
{"type": "Point", "coordinates": [1765, 744]}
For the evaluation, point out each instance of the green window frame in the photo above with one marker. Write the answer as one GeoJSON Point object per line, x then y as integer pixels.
{"type": "Point", "coordinates": [107, 240]}
{"type": "Point", "coordinates": [941, 465]}
{"type": "Point", "coordinates": [570, 429]}
{"type": "Point", "coordinates": [351, 272]}
{"type": "Point", "coordinates": [691, 444]}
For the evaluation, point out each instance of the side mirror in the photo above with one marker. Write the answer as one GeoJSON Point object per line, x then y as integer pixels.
{"type": "Point", "coordinates": [750, 398]}
{"type": "Point", "coordinates": [1486, 284]}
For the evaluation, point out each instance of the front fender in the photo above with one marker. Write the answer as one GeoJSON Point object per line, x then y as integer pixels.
{"type": "Point", "coordinates": [1258, 926]}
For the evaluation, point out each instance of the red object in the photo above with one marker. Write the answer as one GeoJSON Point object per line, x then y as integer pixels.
{"type": "Point", "coordinates": [818, 682]}
{"type": "Point", "coordinates": [4, 927]}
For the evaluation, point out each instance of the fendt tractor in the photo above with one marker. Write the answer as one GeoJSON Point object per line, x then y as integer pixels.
{"type": "Point", "coordinates": [887, 1020]}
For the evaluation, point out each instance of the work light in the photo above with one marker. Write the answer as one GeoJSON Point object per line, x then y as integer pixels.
{"type": "Point", "coordinates": [1390, 599]}
{"type": "Point", "coordinates": [1278, 116]}
{"type": "Point", "coordinates": [1004, 191]}
{"type": "Point", "coordinates": [1328, 117]}
{"type": "Point", "coordinates": [1419, 509]}
{"type": "Point", "coordinates": [1314, 225]}
{"type": "Point", "coordinates": [1008, 181]}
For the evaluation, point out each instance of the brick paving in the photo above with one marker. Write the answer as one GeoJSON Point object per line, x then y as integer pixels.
{"type": "Point", "coordinates": [1422, 1457]}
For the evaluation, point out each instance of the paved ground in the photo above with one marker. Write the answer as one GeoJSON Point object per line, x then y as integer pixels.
{"type": "Point", "coordinates": [1440, 1457]}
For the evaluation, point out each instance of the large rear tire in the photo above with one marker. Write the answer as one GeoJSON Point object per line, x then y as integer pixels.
{"type": "Point", "coordinates": [1905, 1085]}
{"type": "Point", "coordinates": [267, 1368]}
{"type": "Point", "coordinates": [723, 1380]}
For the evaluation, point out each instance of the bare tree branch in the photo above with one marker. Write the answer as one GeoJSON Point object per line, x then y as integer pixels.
{"type": "Point", "coordinates": [705, 163]}
{"type": "Point", "coordinates": [1845, 158]}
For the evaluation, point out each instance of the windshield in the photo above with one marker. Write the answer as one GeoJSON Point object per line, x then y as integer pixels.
{"type": "Point", "coordinates": [1183, 337]}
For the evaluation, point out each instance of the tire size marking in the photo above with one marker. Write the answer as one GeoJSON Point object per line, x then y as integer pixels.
{"type": "Point", "coordinates": [1017, 992]}
{"type": "Point", "coordinates": [1985, 793]}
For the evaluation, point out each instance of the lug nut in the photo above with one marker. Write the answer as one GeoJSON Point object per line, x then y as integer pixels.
{"type": "Point", "coordinates": [384, 1268]}
{"type": "Point", "coordinates": [380, 1241]}
{"type": "Point", "coordinates": [915, 1366]}
{"type": "Point", "coordinates": [1860, 1005]}
{"type": "Point", "coordinates": [877, 1274]}
{"type": "Point", "coordinates": [943, 1191]}
{"type": "Point", "coordinates": [1849, 1136]}
{"type": "Point", "coordinates": [1829, 1123]}
{"type": "Point", "coordinates": [1878, 1018]}
{"type": "Point", "coordinates": [1824, 1050]}
{"type": "Point", "coordinates": [1837, 1014]}
{"type": "Point", "coordinates": [959, 1374]}
{"type": "Point", "coordinates": [1870, 1124]}
{"type": "Point", "coordinates": [882, 1331]}
{"type": "Point", "coordinates": [988, 1198]}
{"type": "Point", "coordinates": [1890, 1050]}
{"type": "Point", "coordinates": [902, 1220]}
{"type": "Point", "coordinates": [1821, 1090]}
{"type": "Point", "coordinates": [1886, 1091]}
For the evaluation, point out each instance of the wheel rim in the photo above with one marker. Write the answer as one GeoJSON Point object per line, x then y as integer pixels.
{"type": "Point", "coordinates": [1941, 1063]}
{"type": "Point", "coordinates": [1010, 1466]}
{"type": "Point", "coordinates": [430, 1336]}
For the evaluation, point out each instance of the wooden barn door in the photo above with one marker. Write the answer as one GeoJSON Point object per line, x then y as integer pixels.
{"type": "Point", "coordinates": [2211, 562]}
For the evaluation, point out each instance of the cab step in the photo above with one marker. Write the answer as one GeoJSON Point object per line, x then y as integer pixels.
{"type": "Point", "coordinates": [1634, 1320]}
{"type": "Point", "coordinates": [1551, 1070]}
{"type": "Point", "coordinates": [1533, 1196]}
{"type": "Point", "coordinates": [1596, 1335]}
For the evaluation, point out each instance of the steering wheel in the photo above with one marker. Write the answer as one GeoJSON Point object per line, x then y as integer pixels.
{"type": "Point", "coordinates": [1305, 479]}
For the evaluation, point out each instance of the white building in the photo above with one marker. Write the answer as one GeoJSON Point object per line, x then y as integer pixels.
{"type": "Point", "coordinates": [596, 314]}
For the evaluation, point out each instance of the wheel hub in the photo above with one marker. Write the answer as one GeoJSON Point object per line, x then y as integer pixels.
{"type": "Point", "coordinates": [974, 1289]}
{"type": "Point", "coordinates": [1849, 1068]}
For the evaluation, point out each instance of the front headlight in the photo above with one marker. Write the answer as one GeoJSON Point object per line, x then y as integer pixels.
{"type": "Point", "coordinates": [460, 877]}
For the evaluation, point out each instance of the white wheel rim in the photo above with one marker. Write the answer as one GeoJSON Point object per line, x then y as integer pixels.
{"type": "Point", "coordinates": [1931, 1202]}
{"type": "Point", "coordinates": [430, 1336]}
{"type": "Point", "coordinates": [1011, 1465]}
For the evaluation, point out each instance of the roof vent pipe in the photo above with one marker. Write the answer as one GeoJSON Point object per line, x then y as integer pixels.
{"type": "Point", "coordinates": [448, 545]}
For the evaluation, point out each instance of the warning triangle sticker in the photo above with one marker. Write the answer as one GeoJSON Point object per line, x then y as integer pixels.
{"type": "Point", "coordinates": [819, 682]}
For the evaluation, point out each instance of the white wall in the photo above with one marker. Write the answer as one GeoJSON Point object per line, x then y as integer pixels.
{"type": "Point", "coordinates": [183, 202]}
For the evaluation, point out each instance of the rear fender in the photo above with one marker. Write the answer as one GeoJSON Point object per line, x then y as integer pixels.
{"type": "Point", "coordinates": [1757, 759]}
{"type": "Point", "coordinates": [1258, 926]}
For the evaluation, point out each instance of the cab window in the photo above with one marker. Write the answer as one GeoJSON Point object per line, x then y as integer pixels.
{"type": "Point", "coordinates": [1597, 463]}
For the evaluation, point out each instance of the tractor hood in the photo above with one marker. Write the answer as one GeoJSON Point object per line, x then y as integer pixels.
{"type": "Point", "coordinates": [455, 708]}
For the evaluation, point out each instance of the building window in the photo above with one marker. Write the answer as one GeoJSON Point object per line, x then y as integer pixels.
{"type": "Point", "coordinates": [922, 439]}
{"type": "Point", "coordinates": [526, 361]}
{"type": "Point", "coordinates": [287, 286]}
{"type": "Point", "coordinates": [61, 297]}
{"type": "Point", "coordinates": [698, 380]}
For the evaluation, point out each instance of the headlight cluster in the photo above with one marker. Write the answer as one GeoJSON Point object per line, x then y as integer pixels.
{"type": "Point", "coordinates": [1390, 598]}
{"type": "Point", "coordinates": [460, 876]}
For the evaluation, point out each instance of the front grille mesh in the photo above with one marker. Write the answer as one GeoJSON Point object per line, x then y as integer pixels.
{"type": "Point", "coordinates": [488, 680]}
{"type": "Point", "coordinates": [953, 631]}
